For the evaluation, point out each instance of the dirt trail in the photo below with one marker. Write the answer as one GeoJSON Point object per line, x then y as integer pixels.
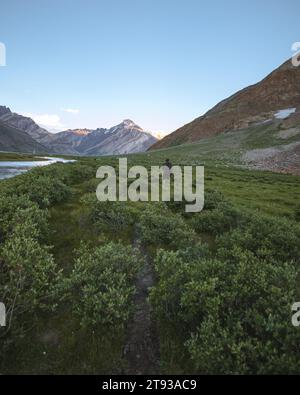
{"type": "Point", "coordinates": [141, 350]}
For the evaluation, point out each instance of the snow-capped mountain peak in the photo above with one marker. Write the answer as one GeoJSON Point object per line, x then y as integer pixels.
{"type": "Point", "coordinates": [129, 123]}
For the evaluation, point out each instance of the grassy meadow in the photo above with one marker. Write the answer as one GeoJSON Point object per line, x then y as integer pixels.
{"type": "Point", "coordinates": [224, 279]}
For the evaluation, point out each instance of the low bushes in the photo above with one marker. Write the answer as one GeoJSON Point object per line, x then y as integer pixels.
{"type": "Point", "coordinates": [216, 221]}
{"type": "Point", "coordinates": [8, 207]}
{"type": "Point", "coordinates": [29, 278]}
{"type": "Point", "coordinates": [173, 270]}
{"type": "Point", "coordinates": [213, 199]}
{"type": "Point", "coordinates": [110, 216]}
{"type": "Point", "coordinates": [159, 226]}
{"type": "Point", "coordinates": [100, 286]}
{"type": "Point", "coordinates": [272, 239]}
{"type": "Point", "coordinates": [232, 307]}
{"type": "Point", "coordinates": [244, 317]}
{"type": "Point", "coordinates": [43, 190]}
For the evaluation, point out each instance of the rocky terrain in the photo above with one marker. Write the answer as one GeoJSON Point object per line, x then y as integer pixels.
{"type": "Point", "coordinates": [255, 104]}
{"type": "Point", "coordinates": [280, 159]}
{"type": "Point", "coordinates": [14, 140]}
{"type": "Point", "coordinates": [24, 124]}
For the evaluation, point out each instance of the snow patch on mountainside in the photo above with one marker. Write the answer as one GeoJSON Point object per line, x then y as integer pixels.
{"type": "Point", "coordinates": [283, 114]}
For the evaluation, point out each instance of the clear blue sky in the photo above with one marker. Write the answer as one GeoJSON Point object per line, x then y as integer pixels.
{"type": "Point", "coordinates": [161, 63]}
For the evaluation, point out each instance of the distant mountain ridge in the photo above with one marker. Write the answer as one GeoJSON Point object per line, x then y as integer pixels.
{"type": "Point", "coordinates": [255, 104]}
{"type": "Point", "coordinates": [125, 138]}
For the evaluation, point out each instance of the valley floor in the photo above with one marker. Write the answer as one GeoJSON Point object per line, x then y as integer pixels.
{"type": "Point", "coordinates": [155, 297]}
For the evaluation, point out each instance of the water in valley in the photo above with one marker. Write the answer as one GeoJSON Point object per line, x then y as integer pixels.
{"type": "Point", "coordinates": [10, 169]}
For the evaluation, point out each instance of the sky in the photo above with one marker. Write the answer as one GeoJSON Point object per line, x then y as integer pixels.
{"type": "Point", "coordinates": [161, 63]}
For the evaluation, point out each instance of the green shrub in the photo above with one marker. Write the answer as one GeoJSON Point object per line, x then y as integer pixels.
{"type": "Point", "coordinates": [244, 317]}
{"type": "Point", "coordinates": [216, 221]}
{"type": "Point", "coordinates": [8, 207]}
{"type": "Point", "coordinates": [233, 316]}
{"type": "Point", "coordinates": [29, 277]}
{"type": "Point", "coordinates": [273, 239]}
{"type": "Point", "coordinates": [173, 269]}
{"type": "Point", "coordinates": [159, 226]}
{"type": "Point", "coordinates": [40, 189]}
{"type": "Point", "coordinates": [16, 210]}
{"type": "Point", "coordinates": [90, 186]}
{"type": "Point", "coordinates": [109, 216]}
{"type": "Point", "coordinates": [101, 284]}
{"type": "Point", "coordinates": [213, 199]}
{"type": "Point", "coordinates": [178, 207]}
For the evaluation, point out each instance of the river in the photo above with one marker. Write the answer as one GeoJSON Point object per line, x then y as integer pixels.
{"type": "Point", "coordinates": [10, 169]}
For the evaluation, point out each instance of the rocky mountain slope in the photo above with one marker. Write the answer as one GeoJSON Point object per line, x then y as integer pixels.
{"type": "Point", "coordinates": [272, 145]}
{"type": "Point", "coordinates": [15, 140]}
{"type": "Point", "coordinates": [24, 124]}
{"type": "Point", "coordinates": [125, 138]}
{"type": "Point", "coordinates": [279, 91]}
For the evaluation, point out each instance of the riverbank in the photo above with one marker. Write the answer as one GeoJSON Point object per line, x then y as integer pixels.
{"type": "Point", "coordinates": [12, 168]}
{"type": "Point", "coordinates": [16, 156]}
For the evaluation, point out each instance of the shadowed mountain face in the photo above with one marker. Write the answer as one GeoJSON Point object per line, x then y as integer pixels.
{"type": "Point", "coordinates": [22, 123]}
{"type": "Point", "coordinates": [253, 105]}
{"type": "Point", "coordinates": [124, 138]}
{"type": "Point", "coordinates": [14, 140]}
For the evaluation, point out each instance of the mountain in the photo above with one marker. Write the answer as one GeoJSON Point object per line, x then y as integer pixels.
{"type": "Point", "coordinates": [14, 140]}
{"type": "Point", "coordinates": [125, 138]}
{"type": "Point", "coordinates": [279, 91]}
{"type": "Point", "coordinates": [24, 124]}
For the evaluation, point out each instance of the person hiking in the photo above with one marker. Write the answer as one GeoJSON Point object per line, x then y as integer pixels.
{"type": "Point", "coordinates": [167, 169]}
{"type": "Point", "coordinates": [168, 164]}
